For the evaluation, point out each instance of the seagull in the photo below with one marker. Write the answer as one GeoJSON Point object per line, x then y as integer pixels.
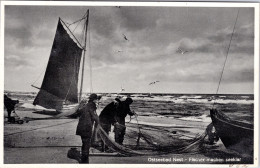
{"type": "Point", "coordinates": [119, 51]}
{"type": "Point", "coordinates": [182, 51]}
{"type": "Point", "coordinates": [122, 89]}
{"type": "Point", "coordinates": [153, 82]}
{"type": "Point", "coordinates": [125, 37]}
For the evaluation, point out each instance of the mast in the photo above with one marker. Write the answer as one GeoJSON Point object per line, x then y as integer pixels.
{"type": "Point", "coordinates": [84, 53]}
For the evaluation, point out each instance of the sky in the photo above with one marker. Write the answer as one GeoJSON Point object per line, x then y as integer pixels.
{"type": "Point", "coordinates": [151, 53]}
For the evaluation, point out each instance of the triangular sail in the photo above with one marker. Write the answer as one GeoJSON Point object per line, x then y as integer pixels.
{"type": "Point", "coordinates": [60, 82]}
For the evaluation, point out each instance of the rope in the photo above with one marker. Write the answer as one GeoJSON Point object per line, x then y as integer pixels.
{"type": "Point", "coordinates": [139, 133]}
{"type": "Point", "coordinates": [69, 24]}
{"type": "Point", "coordinates": [229, 123]}
{"type": "Point", "coordinates": [39, 128]}
{"type": "Point", "coordinates": [45, 146]}
{"type": "Point", "coordinates": [38, 77]}
{"type": "Point", "coordinates": [73, 35]}
{"type": "Point", "coordinates": [90, 64]}
{"type": "Point", "coordinates": [226, 56]}
{"type": "Point", "coordinates": [76, 27]}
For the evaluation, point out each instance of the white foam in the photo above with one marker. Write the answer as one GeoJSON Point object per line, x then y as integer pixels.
{"type": "Point", "coordinates": [197, 97]}
{"type": "Point", "coordinates": [245, 96]}
{"type": "Point", "coordinates": [159, 124]}
{"type": "Point", "coordinates": [234, 101]}
{"type": "Point", "coordinates": [204, 118]}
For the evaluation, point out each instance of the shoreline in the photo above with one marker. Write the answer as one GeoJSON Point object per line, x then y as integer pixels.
{"type": "Point", "coordinates": [48, 141]}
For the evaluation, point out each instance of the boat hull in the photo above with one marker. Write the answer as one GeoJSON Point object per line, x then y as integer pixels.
{"type": "Point", "coordinates": [68, 111]}
{"type": "Point", "coordinates": [235, 135]}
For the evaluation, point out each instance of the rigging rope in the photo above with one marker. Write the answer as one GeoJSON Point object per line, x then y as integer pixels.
{"type": "Point", "coordinates": [38, 77]}
{"type": "Point", "coordinates": [226, 56]}
{"type": "Point", "coordinates": [40, 128]}
{"type": "Point", "coordinates": [69, 24]}
{"type": "Point", "coordinates": [193, 146]}
{"type": "Point", "coordinates": [90, 64]}
{"type": "Point", "coordinates": [76, 27]}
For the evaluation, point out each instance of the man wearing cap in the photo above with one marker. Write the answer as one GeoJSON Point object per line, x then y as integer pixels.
{"type": "Point", "coordinates": [122, 110]}
{"type": "Point", "coordinates": [86, 121]}
{"type": "Point", "coordinates": [107, 118]}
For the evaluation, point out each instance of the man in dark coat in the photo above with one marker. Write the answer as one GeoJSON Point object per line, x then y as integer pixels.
{"type": "Point", "coordinates": [9, 105]}
{"type": "Point", "coordinates": [123, 110]}
{"type": "Point", "coordinates": [107, 118]}
{"type": "Point", "coordinates": [86, 121]}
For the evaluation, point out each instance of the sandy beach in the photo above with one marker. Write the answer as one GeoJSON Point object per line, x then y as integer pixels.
{"type": "Point", "coordinates": [51, 144]}
{"type": "Point", "coordinates": [48, 141]}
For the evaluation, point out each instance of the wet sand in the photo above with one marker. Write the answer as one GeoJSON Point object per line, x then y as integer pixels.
{"type": "Point", "coordinates": [48, 141]}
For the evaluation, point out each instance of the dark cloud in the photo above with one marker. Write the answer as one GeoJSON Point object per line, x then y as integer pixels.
{"type": "Point", "coordinates": [243, 75]}
{"type": "Point", "coordinates": [16, 61]}
{"type": "Point", "coordinates": [21, 36]}
{"type": "Point", "coordinates": [138, 18]}
{"type": "Point", "coordinates": [103, 22]}
{"type": "Point", "coordinates": [154, 33]}
{"type": "Point", "coordinates": [242, 40]}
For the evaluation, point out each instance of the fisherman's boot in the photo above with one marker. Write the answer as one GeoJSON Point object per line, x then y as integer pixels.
{"type": "Point", "coordinates": [121, 135]}
{"type": "Point", "coordinates": [103, 146]}
{"type": "Point", "coordinates": [84, 158]}
{"type": "Point", "coordinates": [117, 132]}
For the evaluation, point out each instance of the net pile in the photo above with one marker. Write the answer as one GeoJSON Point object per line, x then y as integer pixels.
{"type": "Point", "coordinates": [153, 140]}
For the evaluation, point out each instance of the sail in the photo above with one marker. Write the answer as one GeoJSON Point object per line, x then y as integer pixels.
{"type": "Point", "coordinates": [60, 82]}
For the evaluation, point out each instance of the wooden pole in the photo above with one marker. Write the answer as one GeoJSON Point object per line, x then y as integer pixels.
{"type": "Point", "coordinates": [84, 53]}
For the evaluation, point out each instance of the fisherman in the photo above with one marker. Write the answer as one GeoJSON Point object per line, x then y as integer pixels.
{"type": "Point", "coordinates": [86, 121]}
{"type": "Point", "coordinates": [107, 118]}
{"type": "Point", "coordinates": [122, 110]}
{"type": "Point", "coordinates": [9, 105]}
{"type": "Point", "coordinates": [212, 135]}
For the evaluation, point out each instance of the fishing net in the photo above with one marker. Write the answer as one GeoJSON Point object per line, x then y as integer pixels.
{"type": "Point", "coordinates": [143, 139]}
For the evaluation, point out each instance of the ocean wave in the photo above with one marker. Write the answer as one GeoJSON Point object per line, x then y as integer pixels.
{"type": "Point", "coordinates": [203, 118]}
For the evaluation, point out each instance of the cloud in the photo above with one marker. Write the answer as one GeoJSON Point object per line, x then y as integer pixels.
{"type": "Point", "coordinates": [154, 33]}
{"type": "Point", "coordinates": [242, 40]}
{"type": "Point", "coordinates": [16, 62]}
{"type": "Point", "coordinates": [22, 36]}
{"type": "Point", "coordinates": [136, 18]}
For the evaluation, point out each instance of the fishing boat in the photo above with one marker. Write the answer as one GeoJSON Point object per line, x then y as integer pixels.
{"type": "Point", "coordinates": [59, 89]}
{"type": "Point", "coordinates": [235, 135]}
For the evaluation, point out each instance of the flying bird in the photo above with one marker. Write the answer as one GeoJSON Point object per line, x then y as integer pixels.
{"type": "Point", "coordinates": [119, 51]}
{"type": "Point", "coordinates": [152, 83]}
{"type": "Point", "coordinates": [122, 89]}
{"type": "Point", "coordinates": [182, 51]}
{"type": "Point", "coordinates": [125, 37]}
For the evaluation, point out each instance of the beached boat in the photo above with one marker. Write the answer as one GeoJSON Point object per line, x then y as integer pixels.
{"type": "Point", "coordinates": [235, 135]}
{"type": "Point", "coordinates": [59, 89]}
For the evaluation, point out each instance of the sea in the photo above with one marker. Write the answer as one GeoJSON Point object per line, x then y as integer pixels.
{"type": "Point", "coordinates": [193, 107]}
{"type": "Point", "coordinates": [162, 108]}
